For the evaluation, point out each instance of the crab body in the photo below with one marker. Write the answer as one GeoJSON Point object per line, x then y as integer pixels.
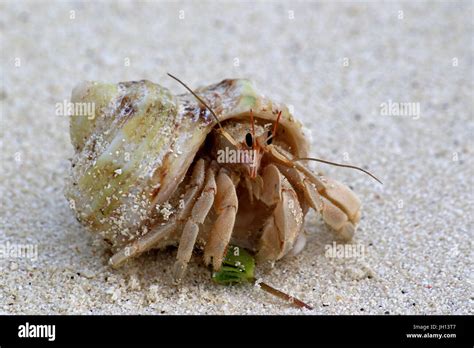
{"type": "Point", "coordinates": [153, 169]}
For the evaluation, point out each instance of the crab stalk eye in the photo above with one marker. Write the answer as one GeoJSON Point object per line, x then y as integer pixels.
{"type": "Point", "coordinates": [249, 140]}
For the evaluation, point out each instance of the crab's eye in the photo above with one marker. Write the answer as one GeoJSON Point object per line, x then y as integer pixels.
{"type": "Point", "coordinates": [269, 137]}
{"type": "Point", "coordinates": [249, 140]}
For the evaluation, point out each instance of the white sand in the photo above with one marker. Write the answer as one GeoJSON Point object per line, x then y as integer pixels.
{"type": "Point", "coordinates": [416, 228]}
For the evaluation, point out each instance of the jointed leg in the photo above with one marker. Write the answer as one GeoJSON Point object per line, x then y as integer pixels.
{"type": "Point", "coordinates": [283, 227]}
{"type": "Point", "coordinates": [225, 205]}
{"type": "Point", "coordinates": [161, 232]}
{"type": "Point", "coordinates": [191, 229]}
{"type": "Point", "coordinates": [303, 185]}
{"type": "Point", "coordinates": [337, 204]}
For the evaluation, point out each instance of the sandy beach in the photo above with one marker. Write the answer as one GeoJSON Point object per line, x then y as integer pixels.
{"type": "Point", "coordinates": [343, 67]}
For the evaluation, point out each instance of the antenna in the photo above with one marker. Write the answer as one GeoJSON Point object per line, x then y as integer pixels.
{"type": "Point", "coordinates": [227, 135]}
{"type": "Point", "coordinates": [337, 165]}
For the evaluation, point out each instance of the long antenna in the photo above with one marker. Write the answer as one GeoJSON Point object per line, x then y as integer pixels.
{"type": "Point", "coordinates": [227, 135]}
{"type": "Point", "coordinates": [337, 165]}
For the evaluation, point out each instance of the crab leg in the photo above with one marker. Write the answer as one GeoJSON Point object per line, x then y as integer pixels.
{"type": "Point", "coordinates": [225, 205]}
{"type": "Point", "coordinates": [191, 229]}
{"type": "Point", "coordinates": [337, 204]}
{"type": "Point", "coordinates": [161, 232]}
{"type": "Point", "coordinates": [283, 227]}
{"type": "Point", "coordinates": [283, 159]}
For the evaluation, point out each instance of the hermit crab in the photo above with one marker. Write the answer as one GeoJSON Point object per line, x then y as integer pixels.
{"type": "Point", "coordinates": [214, 166]}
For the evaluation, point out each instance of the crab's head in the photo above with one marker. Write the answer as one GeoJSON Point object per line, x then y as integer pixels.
{"type": "Point", "coordinates": [242, 144]}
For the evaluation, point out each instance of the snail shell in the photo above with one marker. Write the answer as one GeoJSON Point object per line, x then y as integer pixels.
{"type": "Point", "coordinates": [132, 156]}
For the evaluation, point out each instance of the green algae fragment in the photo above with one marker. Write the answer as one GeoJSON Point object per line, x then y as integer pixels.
{"type": "Point", "coordinates": [238, 267]}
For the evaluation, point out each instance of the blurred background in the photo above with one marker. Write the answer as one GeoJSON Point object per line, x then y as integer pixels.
{"type": "Point", "coordinates": [341, 66]}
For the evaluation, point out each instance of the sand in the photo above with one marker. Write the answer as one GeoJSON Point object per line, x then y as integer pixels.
{"type": "Point", "coordinates": [342, 66]}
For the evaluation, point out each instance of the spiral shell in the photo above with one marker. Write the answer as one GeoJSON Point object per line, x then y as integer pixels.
{"type": "Point", "coordinates": [133, 155]}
